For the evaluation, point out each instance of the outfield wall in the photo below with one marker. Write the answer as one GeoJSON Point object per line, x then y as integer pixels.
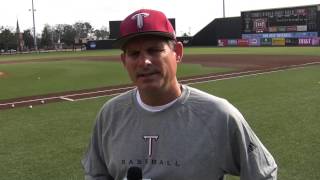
{"type": "Point", "coordinates": [290, 26]}
{"type": "Point", "coordinates": [269, 42]}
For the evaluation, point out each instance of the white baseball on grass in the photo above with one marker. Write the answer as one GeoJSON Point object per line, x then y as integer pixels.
{"type": "Point", "coordinates": [30, 106]}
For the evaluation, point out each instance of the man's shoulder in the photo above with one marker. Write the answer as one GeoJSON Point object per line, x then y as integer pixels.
{"type": "Point", "coordinates": [205, 101]}
{"type": "Point", "coordinates": [207, 106]}
{"type": "Point", "coordinates": [120, 101]}
{"type": "Point", "coordinates": [204, 97]}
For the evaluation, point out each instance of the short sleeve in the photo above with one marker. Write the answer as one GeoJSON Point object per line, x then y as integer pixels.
{"type": "Point", "coordinates": [93, 161]}
{"type": "Point", "coordinates": [248, 157]}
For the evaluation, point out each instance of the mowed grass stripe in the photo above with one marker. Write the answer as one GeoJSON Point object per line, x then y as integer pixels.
{"type": "Point", "coordinates": [283, 109]}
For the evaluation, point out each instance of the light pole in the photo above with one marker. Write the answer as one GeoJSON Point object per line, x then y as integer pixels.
{"type": "Point", "coordinates": [224, 14]}
{"type": "Point", "coordinates": [34, 28]}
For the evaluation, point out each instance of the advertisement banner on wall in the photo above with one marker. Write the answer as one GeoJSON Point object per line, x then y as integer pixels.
{"type": "Point", "coordinates": [243, 42]}
{"type": "Point", "coordinates": [305, 41]}
{"type": "Point", "coordinates": [315, 41]}
{"type": "Point", "coordinates": [281, 35]}
{"type": "Point", "coordinates": [92, 45]}
{"type": "Point", "coordinates": [278, 42]}
{"type": "Point", "coordinates": [254, 42]}
{"type": "Point", "coordinates": [292, 41]}
{"type": "Point", "coordinates": [266, 41]}
{"type": "Point", "coordinates": [232, 42]}
{"type": "Point", "coordinates": [222, 42]}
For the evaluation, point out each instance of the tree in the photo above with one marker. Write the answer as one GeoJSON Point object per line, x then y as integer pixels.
{"type": "Point", "coordinates": [8, 39]}
{"type": "Point", "coordinates": [57, 32]}
{"type": "Point", "coordinates": [102, 33]}
{"type": "Point", "coordinates": [28, 39]}
{"type": "Point", "coordinates": [68, 35]}
{"type": "Point", "coordinates": [82, 29]}
{"type": "Point", "coordinates": [46, 37]}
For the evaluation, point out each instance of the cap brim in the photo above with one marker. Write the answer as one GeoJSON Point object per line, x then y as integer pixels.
{"type": "Point", "coordinates": [119, 43]}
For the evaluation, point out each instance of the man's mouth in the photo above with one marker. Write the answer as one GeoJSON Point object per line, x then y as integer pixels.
{"type": "Point", "coordinates": [147, 74]}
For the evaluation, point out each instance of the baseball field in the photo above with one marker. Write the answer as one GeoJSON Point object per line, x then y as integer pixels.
{"type": "Point", "coordinates": [48, 103]}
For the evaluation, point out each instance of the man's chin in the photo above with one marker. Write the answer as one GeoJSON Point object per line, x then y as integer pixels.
{"type": "Point", "coordinates": [149, 87]}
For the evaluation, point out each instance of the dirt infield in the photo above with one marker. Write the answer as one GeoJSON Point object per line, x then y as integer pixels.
{"type": "Point", "coordinates": [244, 65]}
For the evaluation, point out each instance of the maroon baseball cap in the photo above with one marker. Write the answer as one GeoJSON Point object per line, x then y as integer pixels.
{"type": "Point", "coordinates": [144, 22]}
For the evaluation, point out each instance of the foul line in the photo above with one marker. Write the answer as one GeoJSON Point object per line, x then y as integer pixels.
{"type": "Point", "coordinates": [269, 71]}
{"type": "Point", "coordinates": [27, 101]}
{"type": "Point", "coordinates": [65, 98]}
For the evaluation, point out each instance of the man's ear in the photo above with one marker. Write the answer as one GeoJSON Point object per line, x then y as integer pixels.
{"type": "Point", "coordinates": [123, 58]}
{"type": "Point", "coordinates": [179, 51]}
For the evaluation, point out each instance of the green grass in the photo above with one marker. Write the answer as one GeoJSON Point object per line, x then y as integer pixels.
{"type": "Point", "coordinates": [58, 76]}
{"type": "Point", "coordinates": [47, 142]}
{"type": "Point", "coordinates": [22, 57]}
{"type": "Point", "coordinates": [283, 109]}
{"type": "Point", "coordinates": [307, 51]}
{"type": "Point", "coordinates": [311, 51]}
{"type": "Point", "coordinates": [26, 79]}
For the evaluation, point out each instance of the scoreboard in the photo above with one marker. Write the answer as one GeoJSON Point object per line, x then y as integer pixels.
{"type": "Point", "coordinates": [282, 20]}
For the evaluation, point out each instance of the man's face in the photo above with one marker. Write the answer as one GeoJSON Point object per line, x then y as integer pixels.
{"type": "Point", "coordinates": [152, 63]}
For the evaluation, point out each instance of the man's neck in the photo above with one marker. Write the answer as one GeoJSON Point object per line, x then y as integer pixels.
{"type": "Point", "coordinates": [158, 98]}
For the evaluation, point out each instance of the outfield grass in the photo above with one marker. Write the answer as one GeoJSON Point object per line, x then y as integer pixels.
{"type": "Point", "coordinates": [26, 79]}
{"type": "Point", "coordinates": [47, 142]}
{"type": "Point", "coordinates": [283, 109]}
{"type": "Point", "coordinates": [60, 54]}
{"type": "Point", "coordinates": [41, 78]}
{"type": "Point", "coordinates": [307, 51]}
{"type": "Point", "coordinates": [311, 51]}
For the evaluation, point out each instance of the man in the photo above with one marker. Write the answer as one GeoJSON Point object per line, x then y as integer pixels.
{"type": "Point", "coordinates": [169, 130]}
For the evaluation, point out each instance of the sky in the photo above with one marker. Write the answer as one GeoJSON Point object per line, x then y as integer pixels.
{"type": "Point", "coordinates": [191, 15]}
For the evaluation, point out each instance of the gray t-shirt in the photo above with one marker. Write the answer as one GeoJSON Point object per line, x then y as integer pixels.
{"type": "Point", "coordinates": [200, 136]}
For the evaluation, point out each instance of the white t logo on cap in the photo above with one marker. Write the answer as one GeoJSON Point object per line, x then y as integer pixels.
{"type": "Point", "coordinates": [139, 17]}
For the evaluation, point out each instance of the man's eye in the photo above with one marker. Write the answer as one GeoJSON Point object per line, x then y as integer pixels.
{"type": "Point", "coordinates": [133, 54]}
{"type": "Point", "coordinates": [153, 51]}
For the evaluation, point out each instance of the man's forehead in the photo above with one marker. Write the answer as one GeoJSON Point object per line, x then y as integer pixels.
{"type": "Point", "coordinates": [145, 42]}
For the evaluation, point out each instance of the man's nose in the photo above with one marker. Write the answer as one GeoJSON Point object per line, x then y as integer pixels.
{"type": "Point", "coordinates": [144, 59]}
